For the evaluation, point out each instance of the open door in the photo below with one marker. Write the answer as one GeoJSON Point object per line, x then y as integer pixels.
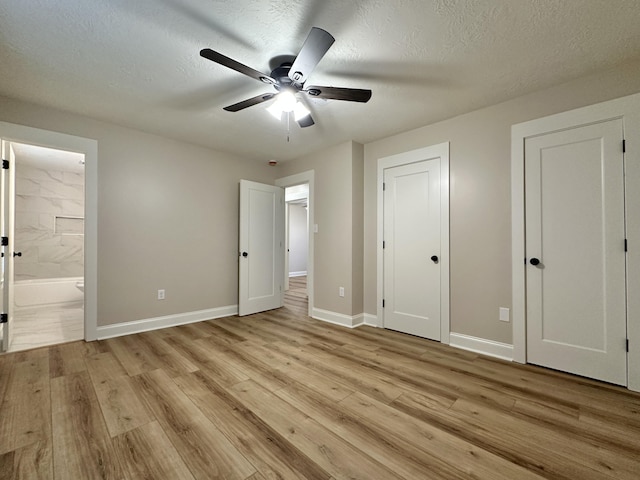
{"type": "Point", "coordinates": [261, 248]}
{"type": "Point", "coordinates": [6, 261]}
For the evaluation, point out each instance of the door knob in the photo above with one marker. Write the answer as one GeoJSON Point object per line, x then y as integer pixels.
{"type": "Point", "coordinates": [17, 254]}
{"type": "Point", "coordinates": [245, 254]}
{"type": "Point", "coordinates": [534, 261]}
{"type": "Point", "coordinates": [434, 259]}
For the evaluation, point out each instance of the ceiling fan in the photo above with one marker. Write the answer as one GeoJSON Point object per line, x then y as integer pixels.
{"type": "Point", "coordinates": [289, 79]}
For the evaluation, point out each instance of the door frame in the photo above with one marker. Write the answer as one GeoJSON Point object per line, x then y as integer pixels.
{"type": "Point", "coordinates": [292, 181]}
{"type": "Point", "coordinates": [432, 152]}
{"type": "Point", "coordinates": [627, 109]}
{"type": "Point", "coordinates": [89, 147]}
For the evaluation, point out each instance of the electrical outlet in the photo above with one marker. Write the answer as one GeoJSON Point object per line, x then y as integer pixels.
{"type": "Point", "coordinates": [504, 314]}
{"type": "Point", "coordinates": [341, 291]}
{"type": "Point", "coordinates": [315, 228]}
{"type": "Point", "coordinates": [160, 294]}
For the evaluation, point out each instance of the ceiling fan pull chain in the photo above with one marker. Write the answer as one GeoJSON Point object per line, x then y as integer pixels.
{"type": "Point", "coordinates": [288, 126]}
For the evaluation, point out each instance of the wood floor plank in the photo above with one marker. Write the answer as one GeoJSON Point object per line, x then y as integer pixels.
{"type": "Point", "coordinates": [121, 407]}
{"type": "Point", "coordinates": [206, 451]}
{"type": "Point", "coordinates": [33, 461]}
{"type": "Point", "coordinates": [66, 359]}
{"type": "Point", "coordinates": [349, 374]}
{"type": "Point", "coordinates": [269, 451]}
{"type": "Point", "coordinates": [292, 369]}
{"type": "Point", "coordinates": [412, 433]}
{"type": "Point", "coordinates": [164, 356]}
{"type": "Point", "coordinates": [600, 460]}
{"type": "Point", "coordinates": [332, 453]}
{"type": "Point", "coordinates": [254, 368]}
{"type": "Point", "coordinates": [205, 356]}
{"type": "Point", "coordinates": [518, 448]}
{"type": "Point", "coordinates": [400, 457]}
{"type": "Point", "coordinates": [25, 412]}
{"type": "Point", "coordinates": [82, 448]}
{"type": "Point", "coordinates": [147, 453]}
{"type": "Point", "coordinates": [103, 367]}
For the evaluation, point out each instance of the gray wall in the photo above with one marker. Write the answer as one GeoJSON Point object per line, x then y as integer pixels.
{"type": "Point", "coordinates": [337, 225]}
{"type": "Point", "coordinates": [167, 216]}
{"type": "Point", "coordinates": [43, 195]}
{"type": "Point", "coordinates": [298, 238]}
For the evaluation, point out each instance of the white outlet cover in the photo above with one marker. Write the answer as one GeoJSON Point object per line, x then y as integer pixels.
{"type": "Point", "coordinates": [504, 314]}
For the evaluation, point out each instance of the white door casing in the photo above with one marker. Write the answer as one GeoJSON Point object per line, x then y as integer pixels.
{"type": "Point", "coordinates": [411, 238]}
{"type": "Point", "coordinates": [261, 247]}
{"type": "Point", "coordinates": [438, 154]}
{"type": "Point", "coordinates": [6, 280]}
{"type": "Point", "coordinates": [628, 110]}
{"type": "Point", "coordinates": [574, 214]}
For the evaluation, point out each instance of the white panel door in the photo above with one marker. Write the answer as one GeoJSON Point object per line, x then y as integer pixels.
{"type": "Point", "coordinates": [412, 249]}
{"type": "Point", "coordinates": [574, 207]}
{"type": "Point", "coordinates": [261, 249]}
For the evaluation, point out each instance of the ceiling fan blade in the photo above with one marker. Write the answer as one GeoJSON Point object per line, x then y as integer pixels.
{"type": "Point", "coordinates": [306, 121]}
{"type": "Point", "coordinates": [336, 93]}
{"type": "Point", "coordinates": [234, 65]}
{"type": "Point", "coordinates": [250, 102]}
{"type": "Point", "coordinates": [315, 46]}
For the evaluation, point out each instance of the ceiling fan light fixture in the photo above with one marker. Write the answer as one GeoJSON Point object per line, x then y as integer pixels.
{"type": "Point", "coordinates": [300, 111]}
{"type": "Point", "coordinates": [286, 102]}
{"type": "Point", "coordinates": [275, 110]}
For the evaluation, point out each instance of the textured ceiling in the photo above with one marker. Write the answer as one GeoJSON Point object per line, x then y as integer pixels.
{"type": "Point", "coordinates": [137, 63]}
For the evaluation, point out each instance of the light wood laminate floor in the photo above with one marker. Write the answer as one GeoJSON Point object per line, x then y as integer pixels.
{"type": "Point", "coordinates": [296, 298]}
{"type": "Point", "coordinates": [280, 396]}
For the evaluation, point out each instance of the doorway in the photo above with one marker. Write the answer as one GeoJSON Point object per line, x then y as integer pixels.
{"type": "Point", "coordinates": [296, 182]}
{"type": "Point", "coordinates": [297, 247]}
{"type": "Point", "coordinates": [413, 242]}
{"type": "Point", "coordinates": [21, 142]}
{"type": "Point", "coordinates": [46, 240]}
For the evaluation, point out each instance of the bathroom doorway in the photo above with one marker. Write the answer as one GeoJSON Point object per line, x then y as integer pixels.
{"type": "Point", "coordinates": [46, 246]}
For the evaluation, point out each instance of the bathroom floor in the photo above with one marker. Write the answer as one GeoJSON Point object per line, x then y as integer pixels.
{"type": "Point", "coordinates": [46, 325]}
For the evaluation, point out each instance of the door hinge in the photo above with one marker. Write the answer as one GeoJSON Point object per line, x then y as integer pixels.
{"type": "Point", "coordinates": [4, 318]}
{"type": "Point", "coordinates": [4, 242]}
{"type": "Point", "coordinates": [624, 146]}
{"type": "Point", "coordinates": [627, 342]}
{"type": "Point", "coordinates": [5, 164]}
{"type": "Point", "coordinates": [383, 244]}
{"type": "Point", "coordinates": [383, 303]}
{"type": "Point", "coordinates": [384, 186]}
{"type": "Point", "coordinates": [625, 245]}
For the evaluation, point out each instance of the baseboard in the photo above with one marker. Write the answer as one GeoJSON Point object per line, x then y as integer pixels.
{"type": "Point", "coordinates": [298, 274]}
{"type": "Point", "coordinates": [145, 325]}
{"type": "Point", "coordinates": [338, 318]}
{"type": "Point", "coordinates": [371, 320]}
{"type": "Point", "coordinates": [481, 345]}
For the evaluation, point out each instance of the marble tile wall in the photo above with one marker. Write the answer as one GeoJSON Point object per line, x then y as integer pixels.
{"type": "Point", "coordinates": [46, 198]}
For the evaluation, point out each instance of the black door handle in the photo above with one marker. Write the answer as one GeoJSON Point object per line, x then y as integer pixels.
{"type": "Point", "coordinates": [245, 254]}
{"type": "Point", "coordinates": [17, 254]}
{"type": "Point", "coordinates": [434, 259]}
{"type": "Point", "coordinates": [534, 261]}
